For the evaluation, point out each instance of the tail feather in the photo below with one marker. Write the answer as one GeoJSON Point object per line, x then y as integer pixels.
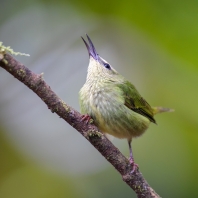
{"type": "Point", "coordinates": [161, 110]}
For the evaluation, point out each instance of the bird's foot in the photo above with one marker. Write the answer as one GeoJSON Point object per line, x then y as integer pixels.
{"type": "Point", "coordinates": [86, 118]}
{"type": "Point", "coordinates": [133, 164]}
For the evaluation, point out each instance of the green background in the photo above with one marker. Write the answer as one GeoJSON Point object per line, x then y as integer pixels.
{"type": "Point", "coordinates": [154, 44]}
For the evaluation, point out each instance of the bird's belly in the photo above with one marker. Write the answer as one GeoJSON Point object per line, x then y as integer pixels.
{"type": "Point", "coordinates": [113, 117]}
{"type": "Point", "coordinates": [123, 126]}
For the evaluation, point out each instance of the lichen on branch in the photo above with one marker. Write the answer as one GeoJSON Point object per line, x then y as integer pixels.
{"type": "Point", "coordinates": [4, 49]}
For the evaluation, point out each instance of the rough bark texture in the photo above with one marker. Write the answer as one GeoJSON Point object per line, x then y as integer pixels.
{"type": "Point", "coordinates": [37, 84]}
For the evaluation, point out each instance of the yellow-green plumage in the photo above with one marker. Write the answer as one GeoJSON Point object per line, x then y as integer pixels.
{"type": "Point", "coordinates": [103, 98]}
{"type": "Point", "coordinates": [115, 105]}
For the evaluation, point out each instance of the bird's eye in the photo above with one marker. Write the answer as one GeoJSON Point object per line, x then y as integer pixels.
{"type": "Point", "coordinates": [107, 65]}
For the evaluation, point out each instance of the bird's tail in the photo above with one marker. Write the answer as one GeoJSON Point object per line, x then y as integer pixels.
{"type": "Point", "coordinates": [161, 110]}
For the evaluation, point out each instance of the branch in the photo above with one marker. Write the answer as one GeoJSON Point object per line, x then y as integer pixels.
{"type": "Point", "coordinates": [37, 84]}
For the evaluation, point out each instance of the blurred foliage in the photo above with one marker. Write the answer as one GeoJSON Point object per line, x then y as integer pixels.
{"type": "Point", "coordinates": [20, 178]}
{"type": "Point", "coordinates": [153, 43]}
{"type": "Point", "coordinates": [172, 25]}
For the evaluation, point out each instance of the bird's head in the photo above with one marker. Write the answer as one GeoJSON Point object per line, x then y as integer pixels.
{"type": "Point", "coordinates": [98, 67]}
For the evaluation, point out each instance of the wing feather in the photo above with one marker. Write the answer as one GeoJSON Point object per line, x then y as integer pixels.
{"type": "Point", "coordinates": [135, 102]}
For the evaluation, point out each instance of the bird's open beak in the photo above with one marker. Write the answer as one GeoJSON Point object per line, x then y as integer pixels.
{"type": "Point", "coordinates": [91, 49]}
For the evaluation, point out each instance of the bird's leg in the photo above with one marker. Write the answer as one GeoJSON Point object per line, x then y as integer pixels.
{"type": "Point", "coordinates": [131, 159]}
{"type": "Point", "coordinates": [86, 118]}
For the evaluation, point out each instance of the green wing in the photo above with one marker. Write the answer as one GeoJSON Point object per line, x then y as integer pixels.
{"type": "Point", "coordinates": [135, 102]}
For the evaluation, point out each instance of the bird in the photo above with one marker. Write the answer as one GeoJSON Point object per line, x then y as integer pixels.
{"type": "Point", "coordinates": [113, 102]}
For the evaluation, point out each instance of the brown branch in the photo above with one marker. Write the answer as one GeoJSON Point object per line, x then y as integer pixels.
{"type": "Point", "coordinates": [36, 83]}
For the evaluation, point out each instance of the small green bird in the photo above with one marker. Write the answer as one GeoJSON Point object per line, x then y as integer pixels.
{"type": "Point", "coordinates": [113, 102]}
